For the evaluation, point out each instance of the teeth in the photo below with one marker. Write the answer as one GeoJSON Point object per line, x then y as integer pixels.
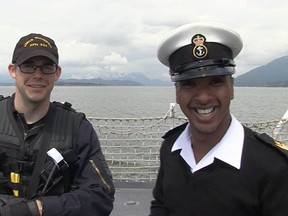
{"type": "Point", "coordinates": [205, 111]}
{"type": "Point", "coordinates": [36, 86]}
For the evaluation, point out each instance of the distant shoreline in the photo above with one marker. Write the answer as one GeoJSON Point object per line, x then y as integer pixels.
{"type": "Point", "coordinates": [95, 84]}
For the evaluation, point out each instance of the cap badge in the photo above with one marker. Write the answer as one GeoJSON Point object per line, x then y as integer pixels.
{"type": "Point", "coordinates": [37, 42]}
{"type": "Point", "coordinates": [200, 50]}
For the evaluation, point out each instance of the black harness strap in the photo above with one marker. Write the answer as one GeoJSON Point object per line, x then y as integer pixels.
{"type": "Point", "coordinates": [32, 189]}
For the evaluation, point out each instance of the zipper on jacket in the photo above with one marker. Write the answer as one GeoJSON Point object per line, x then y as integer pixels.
{"type": "Point", "coordinates": [100, 175]}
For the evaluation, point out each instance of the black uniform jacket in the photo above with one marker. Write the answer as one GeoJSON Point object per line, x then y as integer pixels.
{"type": "Point", "coordinates": [258, 188]}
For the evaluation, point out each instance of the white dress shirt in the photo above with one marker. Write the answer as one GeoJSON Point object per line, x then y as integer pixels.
{"type": "Point", "coordinates": [228, 150]}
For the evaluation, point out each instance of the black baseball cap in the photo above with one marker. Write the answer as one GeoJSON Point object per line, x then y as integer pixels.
{"type": "Point", "coordinates": [33, 45]}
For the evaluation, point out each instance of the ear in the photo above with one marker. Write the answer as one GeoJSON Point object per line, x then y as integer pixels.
{"type": "Point", "coordinates": [12, 70]}
{"type": "Point", "coordinates": [232, 88]}
{"type": "Point", "coordinates": [58, 73]}
{"type": "Point", "coordinates": [176, 92]}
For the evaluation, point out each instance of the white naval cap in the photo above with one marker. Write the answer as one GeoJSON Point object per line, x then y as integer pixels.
{"type": "Point", "coordinates": [200, 49]}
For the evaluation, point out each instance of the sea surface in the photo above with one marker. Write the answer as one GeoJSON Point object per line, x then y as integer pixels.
{"type": "Point", "coordinates": [250, 104]}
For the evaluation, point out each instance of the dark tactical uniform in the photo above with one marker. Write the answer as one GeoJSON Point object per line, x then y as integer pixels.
{"type": "Point", "coordinates": [85, 188]}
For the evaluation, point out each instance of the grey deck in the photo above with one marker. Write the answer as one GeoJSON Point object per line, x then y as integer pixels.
{"type": "Point", "coordinates": [132, 199]}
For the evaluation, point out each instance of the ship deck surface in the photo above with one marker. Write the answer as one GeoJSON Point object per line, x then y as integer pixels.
{"type": "Point", "coordinates": [132, 199]}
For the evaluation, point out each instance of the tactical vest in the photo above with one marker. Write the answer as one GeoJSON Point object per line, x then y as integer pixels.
{"type": "Point", "coordinates": [62, 137]}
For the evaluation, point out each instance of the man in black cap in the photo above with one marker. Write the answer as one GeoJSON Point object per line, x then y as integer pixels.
{"type": "Point", "coordinates": [51, 162]}
{"type": "Point", "coordinates": [213, 165]}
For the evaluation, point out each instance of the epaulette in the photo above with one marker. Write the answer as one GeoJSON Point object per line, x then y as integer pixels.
{"type": "Point", "coordinates": [65, 105]}
{"type": "Point", "coordinates": [68, 106]}
{"type": "Point", "coordinates": [275, 144]}
{"type": "Point", "coordinates": [2, 97]}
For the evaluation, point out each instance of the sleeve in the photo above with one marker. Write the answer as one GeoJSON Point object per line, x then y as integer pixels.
{"type": "Point", "coordinates": [157, 204]}
{"type": "Point", "coordinates": [274, 198]}
{"type": "Point", "coordinates": [93, 189]}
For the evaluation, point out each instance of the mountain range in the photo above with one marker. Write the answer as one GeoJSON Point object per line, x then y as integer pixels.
{"type": "Point", "coordinates": [132, 79]}
{"type": "Point", "coordinates": [273, 74]}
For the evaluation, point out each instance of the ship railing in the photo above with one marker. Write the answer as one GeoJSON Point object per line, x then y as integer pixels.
{"type": "Point", "coordinates": [131, 145]}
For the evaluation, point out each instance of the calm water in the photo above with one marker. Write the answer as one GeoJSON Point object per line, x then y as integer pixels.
{"type": "Point", "coordinates": [250, 104]}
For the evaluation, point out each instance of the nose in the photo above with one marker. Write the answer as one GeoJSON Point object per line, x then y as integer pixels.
{"type": "Point", "coordinates": [38, 68]}
{"type": "Point", "coordinates": [203, 94]}
{"type": "Point", "coordinates": [38, 71]}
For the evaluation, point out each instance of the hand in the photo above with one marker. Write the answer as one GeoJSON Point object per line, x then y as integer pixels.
{"type": "Point", "coordinates": [39, 206]}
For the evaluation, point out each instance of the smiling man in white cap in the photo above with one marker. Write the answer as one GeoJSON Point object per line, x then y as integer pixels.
{"type": "Point", "coordinates": [213, 165]}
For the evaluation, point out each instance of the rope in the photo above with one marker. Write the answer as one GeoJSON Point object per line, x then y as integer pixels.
{"type": "Point", "coordinates": [131, 145]}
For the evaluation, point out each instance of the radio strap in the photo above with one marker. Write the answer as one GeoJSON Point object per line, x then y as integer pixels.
{"type": "Point", "coordinates": [32, 189]}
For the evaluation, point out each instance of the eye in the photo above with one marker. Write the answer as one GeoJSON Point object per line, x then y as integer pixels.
{"type": "Point", "coordinates": [188, 84]}
{"type": "Point", "coordinates": [27, 66]}
{"type": "Point", "coordinates": [48, 67]}
{"type": "Point", "coordinates": [217, 80]}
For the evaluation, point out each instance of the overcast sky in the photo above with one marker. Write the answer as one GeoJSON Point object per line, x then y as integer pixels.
{"type": "Point", "coordinates": [115, 37]}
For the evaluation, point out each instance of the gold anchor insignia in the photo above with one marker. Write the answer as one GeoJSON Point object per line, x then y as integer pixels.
{"type": "Point", "coordinates": [200, 50]}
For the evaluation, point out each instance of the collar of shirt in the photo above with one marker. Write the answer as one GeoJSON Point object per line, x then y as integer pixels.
{"type": "Point", "coordinates": [20, 118]}
{"type": "Point", "coordinates": [228, 150]}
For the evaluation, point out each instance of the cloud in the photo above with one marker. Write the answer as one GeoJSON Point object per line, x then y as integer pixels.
{"type": "Point", "coordinates": [114, 62]}
{"type": "Point", "coordinates": [110, 38]}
